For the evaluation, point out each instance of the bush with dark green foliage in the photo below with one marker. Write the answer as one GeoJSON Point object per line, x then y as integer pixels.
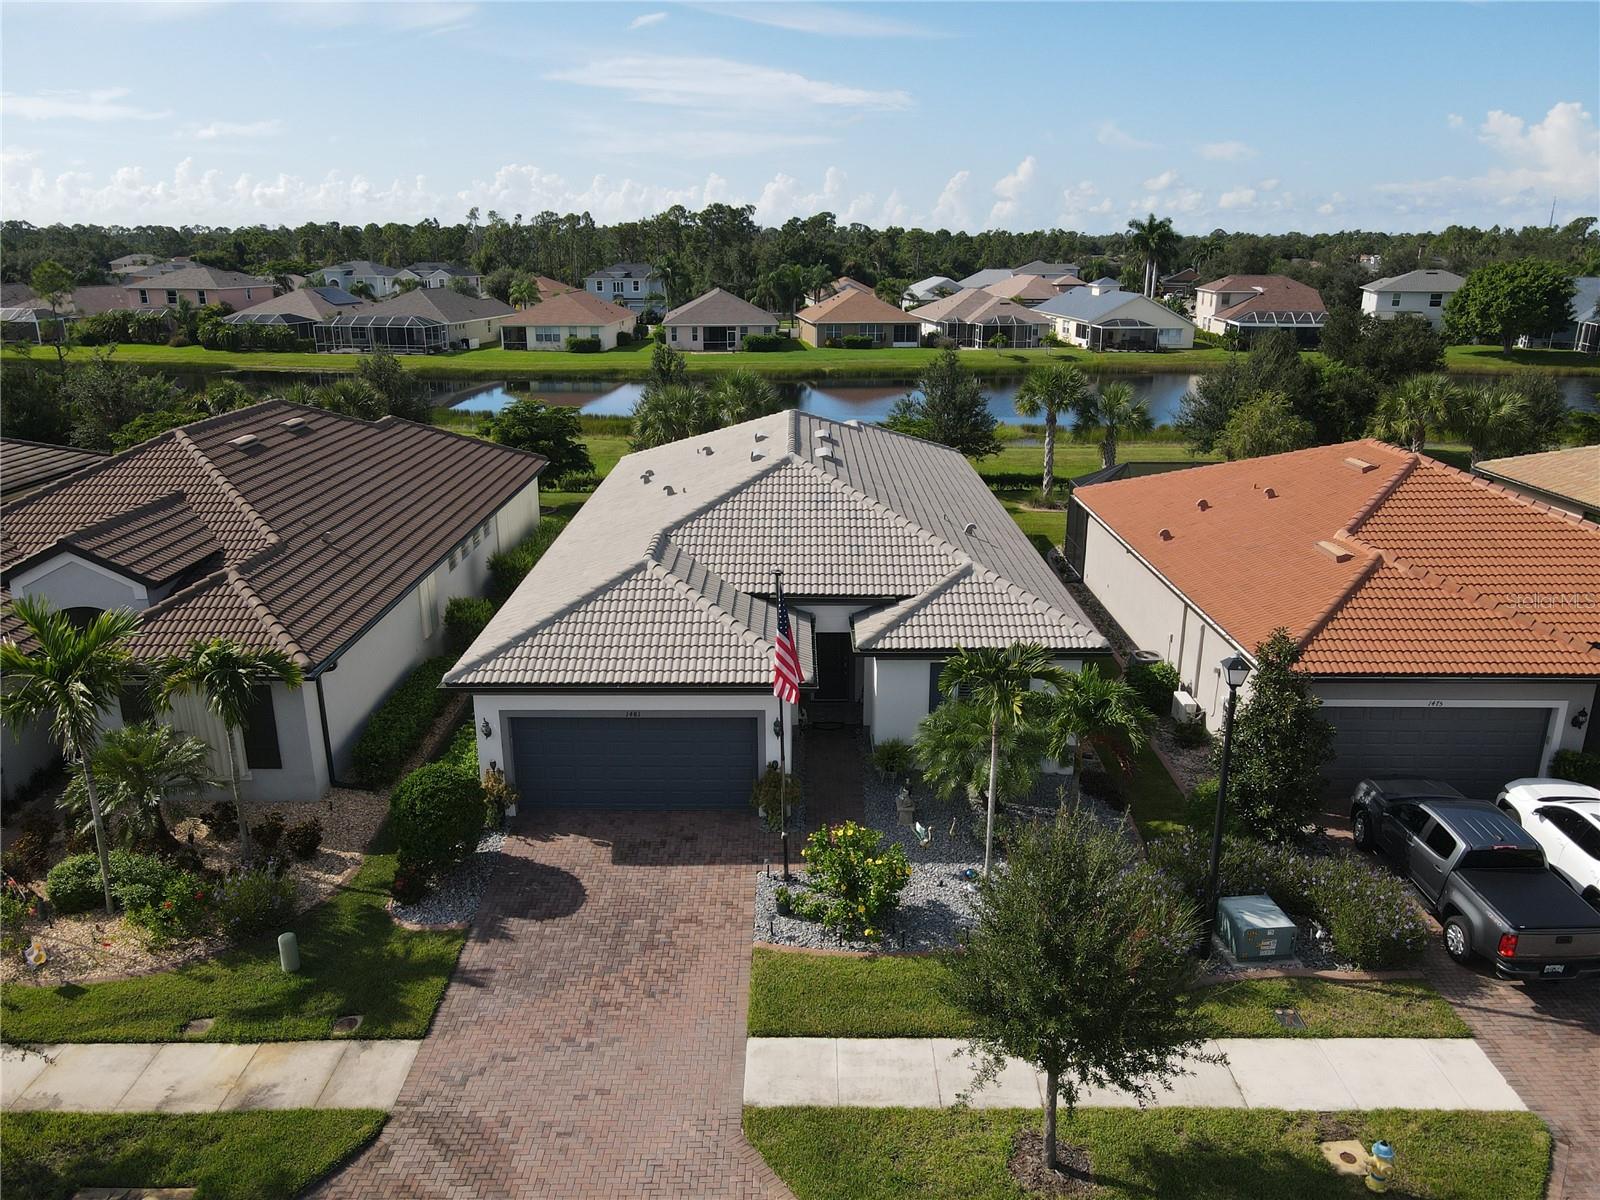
{"type": "Point", "coordinates": [397, 726]}
{"type": "Point", "coordinates": [464, 619]}
{"type": "Point", "coordinates": [1191, 734]}
{"type": "Point", "coordinates": [772, 792]}
{"type": "Point", "coordinates": [73, 884]}
{"type": "Point", "coordinates": [436, 815]}
{"type": "Point", "coordinates": [856, 341]}
{"type": "Point", "coordinates": [186, 908]}
{"type": "Point", "coordinates": [1154, 684]}
{"type": "Point", "coordinates": [255, 901]}
{"type": "Point", "coordinates": [1576, 766]}
{"type": "Point", "coordinates": [268, 835]}
{"type": "Point", "coordinates": [893, 758]}
{"type": "Point", "coordinates": [303, 839]}
{"type": "Point", "coordinates": [1388, 349]}
{"type": "Point", "coordinates": [624, 339]}
{"type": "Point", "coordinates": [552, 430]}
{"type": "Point", "coordinates": [507, 568]}
{"type": "Point", "coordinates": [856, 878]}
{"type": "Point", "coordinates": [769, 343]}
{"type": "Point", "coordinates": [222, 819]}
{"type": "Point", "coordinates": [583, 345]}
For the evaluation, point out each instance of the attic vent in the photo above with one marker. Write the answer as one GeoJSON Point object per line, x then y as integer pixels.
{"type": "Point", "coordinates": [1202, 504]}
{"type": "Point", "coordinates": [1272, 493]}
{"type": "Point", "coordinates": [244, 441]}
{"type": "Point", "coordinates": [756, 455]}
{"type": "Point", "coordinates": [854, 422]}
{"type": "Point", "coordinates": [706, 450]}
{"type": "Point", "coordinates": [1334, 551]}
{"type": "Point", "coordinates": [1166, 535]}
{"type": "Point", "coordinates": [647, 477]}
{"type": "Point", "coordinates": [1360, 464]}
{"type": "Point", "coordinates": [970, 528]}
{"type": "Point", "coordinates": [761, 437]}
{"type": "Point", "coordinates": [824, 454]}
{"type": "Point", "coordinates": [824, 435]}
{"type": "Point", "coordinates": [296, 424]}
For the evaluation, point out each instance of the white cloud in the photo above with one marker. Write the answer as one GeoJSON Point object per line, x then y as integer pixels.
{"type": "Point", "coordinates": [1455, 120]}
{"type": "Point", "coordinates": [645, 20]}
{"type": "Point", "coordinates": [1010, 189]}
{"type": "Point", "coordinates": [1083, 200]}
{"type": "Point", "coordinates": [828, 20]}
{"type": "Point", "coordinates": [1268, 185]}
{"type": "Point", "coordinates": [1112, 134]}
{"type": "Point", "coordinates": [723, 84]}
{"type": "Point", "coordinates": [100, 104]}
{"type": "Point", "coordinates": [1161, 182]}
{"type": "Point", "coordinates": [783, 198]}
{"type": "Point", "coordinates": [238, 129]}
{"type": "Point", "coordinates": [1325, 209]}
{"type": "Point", "coordinates": [698, 143]}
{"type": "Point", "coordinates": [950, 209]}
{"type": "Point", "coordinates": [411, 17]}
{"type": "Point", "coordinates": [1225, 151]}
{"type": "Point", "coordinates": [1238, 198]}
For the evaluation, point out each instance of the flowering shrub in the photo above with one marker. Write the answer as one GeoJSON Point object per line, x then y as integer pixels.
{"type": "Point", "coordinates": [857, 883]}
{"type": "Point", "coordinates": [186, 908]}
{"type": "Point", "coordinates": [1366, 911]}
{"type": "Point", "coordinates": [255, 901]}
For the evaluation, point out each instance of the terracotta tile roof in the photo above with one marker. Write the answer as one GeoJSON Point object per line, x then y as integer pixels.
{"type": "Point", "coordinates": [572, 308]}
{"type": "Point", "coordinates": [25, 466]}
{"type": "Point", "coordinates": [549, 288]}
{"type": "Point", "coordinates": [1378, 560]}
{"type": "Point", "coordinates": [1572, 474]}
{"type": "Point", "coordinates": [306, 533]}
{"type": "Point", "coordinates": [853, 307]}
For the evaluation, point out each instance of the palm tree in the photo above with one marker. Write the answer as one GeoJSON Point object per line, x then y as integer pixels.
{"type": "Point", "coordinates": [998, 682]}
{"type": "Point", "coordinates": [1409, 409]}
{"type": "Point", "coordinates": [228, 675]}
{"type": "Point", "coordinates": [743, 395]}
{"type": "Point", "coordinates": [670, 413]}
{"type": "Point", "coordinates": [1098, 711]}
{"type": "Point", "coordinates": [524, 292]}
{"type": "Point", "coordinates": [1485, 417]}
{"type": "Point", "coordinates": [1050, 392]}
{"type": "Point", "coordinates": [361, 288]}
{"type": "Point", "coordinates": [138, 767]}
{"type": "Point", "coordinates": [1114, 413]}
{"type": "Point", "coordinates": [70, 676]}
{"type": "Point", "coordinates": [952, 752]}
{"type": "Point", "coordinates": [1154, 238]}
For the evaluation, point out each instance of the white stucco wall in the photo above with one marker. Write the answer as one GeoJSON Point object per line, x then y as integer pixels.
{"type": "Point", "coordinates": [1416, 304]}
{"type": "Point", "coordinates": [895, 695]}
{"type": "Point", "coordinates": [68, 581]}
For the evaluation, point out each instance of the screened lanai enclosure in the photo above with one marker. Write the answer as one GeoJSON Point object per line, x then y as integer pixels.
{"type": "Point", "coordinates": [380, 331]}
{"type": "Point", "coordinates": [1019, 335]}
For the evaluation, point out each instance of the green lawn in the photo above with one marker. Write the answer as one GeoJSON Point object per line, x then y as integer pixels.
{"type": "Point", "coordinates": [1156, 1154]}
{"type": "Point", "coordinates": [1159, 806]}
{"type": "Point", "coordinates": [224, 1156]}
{"type": "Point", "coordinates": [1491, 360]}
{"type": "Point", "coordinates": [814, 995]}
{"type": "Point", "coordinates": [354, 959]}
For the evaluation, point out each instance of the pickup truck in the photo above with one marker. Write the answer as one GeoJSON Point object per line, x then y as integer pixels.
{"type": "Point", "coordinates": [1482, 875]}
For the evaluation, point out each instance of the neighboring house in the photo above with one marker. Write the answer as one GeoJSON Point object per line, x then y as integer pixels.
{"type": "Point", "coordinates": [718, 320]}
{"type": "Point", "coordinates": [16, 295]}
{"type": "Point", "coordinates": [27, 466]}
{"type": "Point", "coordinates": [1580, 333]}
{"type": "Point", "coordinates": [972, 317]}
{"type": "Point", "coordinates": [1435, 610]}
{"type": "Point", "coordinates": [983, 278]}
{"type": "Point", "coordinates": [548, 324]}
{"type": "Point", "coordinates": [130, 262]}
{"type": "Point", "coordinates": [549, 288]}
{"type": "Point", "coordinates": [1101, 317]}
{"type": "Point", "coordinates": [199, 286]}
{"type": "Point", "coordinates": [1416, 293]}
{"type": "Point", "coordinates": [335, 540]}
{"type": "Point", "coordinates": [634, 285]}
{"type": "Point", "coordinates": [1049, 269]}
{"type": "Point", "coordinates": [1248, 305]}
{"type": "Point", "coordinates": [153, 270]}
{"type": "Point", "coordinates": [1027, 290]}
{"type": "Point", "coordinates": [431, 275]}
{"type": "Point", "coordinates": [1565, 479]}
{"type": "Point", "coordinates": [93, 299]}
{"type": "Point", "coordinates": [632, 668]}
{"type": "Point", "coordinates": [30, 322]}
{"type": "Point", "coordinates": [934, 287]}
{"type": "Point", "coordinates": [302, 310]}
{"type": "Point", "coordinates": [1371, 262]}
{"type": "Point", "coordinates": [1179, 283]}
{"type": "Point", "coordinates": [421, 321]}
{"type": "Point", "coordinates": [854, 312]}
{"type": "Point", "coordinates": [381, 279]}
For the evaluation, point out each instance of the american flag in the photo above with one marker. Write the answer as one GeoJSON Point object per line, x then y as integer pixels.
{"type": "Point", "coordinates": [785, 656]}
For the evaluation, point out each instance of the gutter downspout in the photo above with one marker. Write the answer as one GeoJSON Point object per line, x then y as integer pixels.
{"type": "Point", "coordinates": [327, 740]}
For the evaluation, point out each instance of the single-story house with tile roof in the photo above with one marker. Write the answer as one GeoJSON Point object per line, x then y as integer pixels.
{"type": "Point", "coordinates": [1449, 625]}
{"type": "Point", "coordinates": [1248, 305]}
{"type": "Point", "coordinates": [717, 320]}
{"type": "Point", "coordinates": [1104, 317]}
{"type": "Point", "coordinates": [1567, 479]}
{"type": "Point", "coordinates": [200, 286]}
{"type": "Point", "coordinates": [301, 309]}
{"type": "Point", "coordinates": [421, 321]}
{"type": "Point", "coordinates": [1421, 293]}
{"type": "Point", "coordinates": [934, 287]}
{"type": "Point", "coordinates": [632, 668]}
{"type": "Point", "coordinates": [548, 324]}
{"type": "Point", "coordinates": [1048, 269]}
{"type": "Point", "coordinates": [984, 277]}
{"type": "Point", "coordinates": [857, 312]}
{"type": "Point", "coordinates": [1027, 290]}
{"type": "Point", "coordinates": [972, 317]}
{"type": "Point", "coordinates": [27, 466]}
{"type": "Point", "coordinates": [336, 540]}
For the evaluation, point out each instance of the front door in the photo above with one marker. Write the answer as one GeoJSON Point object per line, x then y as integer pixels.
{"type": "Point", "coordinates": [835, 667]}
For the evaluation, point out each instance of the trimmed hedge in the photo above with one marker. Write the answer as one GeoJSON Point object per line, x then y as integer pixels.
{"type": "Point", "coordinates": [583, 345]}
{"type": "Point", "coordinates": [399, 723]}
{"type": "Point", "coordinates": [767, 343]}
{"type": "Point", "coordinates": [137, 880]}
{"type": "Point", "coordinates": [507, 568]}
{"type": "Point", "coordinates": [1154, 683]}
{"type": "Point", "coordinates": [856, 341]}
{"type": "Point", "coordinates": [464, 619]}
{"type": "Point", "coordinates": [1576, 766]}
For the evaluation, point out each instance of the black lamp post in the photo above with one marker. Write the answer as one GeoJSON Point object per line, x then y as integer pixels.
{"type": "Point", "coordinates": [1236, 670]}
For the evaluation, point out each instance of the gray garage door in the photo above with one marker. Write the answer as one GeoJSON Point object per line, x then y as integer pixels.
{"type": "Point", "coordinates": [1477, 750]}
{"type": "Point", "coordinates": [692, 761]}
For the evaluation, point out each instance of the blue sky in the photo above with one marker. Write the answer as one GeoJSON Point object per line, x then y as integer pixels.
{"type": "Point", "coordinates": [963, 115]}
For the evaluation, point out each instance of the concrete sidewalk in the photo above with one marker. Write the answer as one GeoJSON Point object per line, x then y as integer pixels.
{"type": "Point", "coordinates": [192, 1077]}
{"type": "Point", "coordinates": [1293, 1073]}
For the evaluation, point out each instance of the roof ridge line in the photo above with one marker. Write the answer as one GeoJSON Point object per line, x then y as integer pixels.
{"type": "Point", "coordinates": [265, 615]}
{"type": "Point", "coordinates": [989, 575]}
{"type": "Point", "coordinates": [1510, 493]}
{"type": "Point", "coordinates": [1408, 463]}
{"type": "Point", "coordinates": [1366, 571]}
{"type": "Point", "coordinates": [225, 485]}
{"type": "Point", "coordinates": [723, 617]}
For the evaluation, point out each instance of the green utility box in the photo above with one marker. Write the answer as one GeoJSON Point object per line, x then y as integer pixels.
{"type": "Point", "coordinates": [1252, 928]}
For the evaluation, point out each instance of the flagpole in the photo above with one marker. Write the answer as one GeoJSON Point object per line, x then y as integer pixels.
{"type": "Point", "coordinates": [783, 760]}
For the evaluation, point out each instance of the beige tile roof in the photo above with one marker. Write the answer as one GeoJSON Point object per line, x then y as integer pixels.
{"type": "Point", "coordinates": [1572, 474]}
{"type": "Point", "coordinates": [974, 306]}
{"type": "Point", "coordinates": [884, 518]}
{"type": "Point", "coordinates": [305, 535]}
{"type": "Point", "coordinates": [718, 307]}
{"type": "Point", "coordinates": [573, 308]}
{"type": "Point", "coordinates": [1028, 287]}
{"type": "Point", "coordinates": [1272, 293]}
{"type": "Point", "coordinates": [853, 306]}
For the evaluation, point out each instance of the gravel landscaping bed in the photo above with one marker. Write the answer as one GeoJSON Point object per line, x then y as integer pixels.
{"type": "Point", "coordinates": [455, 901]}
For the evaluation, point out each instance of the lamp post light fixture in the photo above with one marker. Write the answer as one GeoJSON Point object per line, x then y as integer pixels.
{"type": "Point", "coordinates": [1235, 670]}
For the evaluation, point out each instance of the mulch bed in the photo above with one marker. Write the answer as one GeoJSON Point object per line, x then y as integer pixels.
{"type": "Point", "coordinates": [1074, 1176]}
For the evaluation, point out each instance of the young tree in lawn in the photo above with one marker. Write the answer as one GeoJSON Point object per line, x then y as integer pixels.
{"type": "Point", "coordinates": [1410, 409]}
{"type": "Point", "coordinates": [951, 409]}
{"type": "Point", "coordinates": [1101, 713]}
{"type": "Point", "coordinates": [1079, 965]}
{"type": "Point", "coordinates": [999, 684]}
{"type": "Point", "coordinates": [228, 676]}
{"type": "Point", "coordinates": [1050, 392]}
{"type": "Point", "coordinates": [1505, 300]}
{"type": "Point", "coordinates": [1114, 413]}
{"type": "Point", "coordinates": [68, 677]}
{"type": "Point", "coordinates": [1281, 741]}
{"type": "Point", "coordinates": [548, 429]}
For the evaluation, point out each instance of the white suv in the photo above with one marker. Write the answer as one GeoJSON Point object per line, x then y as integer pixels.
{"type": "Point", "coordinates": [1564, 818]}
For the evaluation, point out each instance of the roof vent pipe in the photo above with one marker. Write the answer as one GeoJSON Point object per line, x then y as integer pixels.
{"type": "Point", "coordinates": [854, 422]}
{"type": "Point", "coordinates": [1166, 535]}
{"type": "Point", "coordinates": [1272, 493]}
{"type": "Point", "coordinates": [1202, 504]}
{"type": "Point", "coordinates": [756, 456]}
{"type": "Point", "coordinates": [706, 450]}
{"type": "Point", "coordinates": [970, 528]}
{"type": "Point", "coordinates": [669, 489]}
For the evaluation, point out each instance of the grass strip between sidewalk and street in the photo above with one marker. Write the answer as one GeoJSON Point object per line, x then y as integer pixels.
{"type": "Point", "coordinates": [796, 994]}
{"type": "Point", "coordinates": [224, 1156]}
{"type": "Point", "coordinates": [1155, 1154]}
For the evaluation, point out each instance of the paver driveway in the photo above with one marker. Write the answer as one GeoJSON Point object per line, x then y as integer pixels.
{"type": "Point", "coordinates": [591, 1043]}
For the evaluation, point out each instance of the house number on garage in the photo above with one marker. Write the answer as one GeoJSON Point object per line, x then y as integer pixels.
{"type": "Point", "coordinates": [632, 712]}
{"type": "Point", "coordinates": [1435, 703]}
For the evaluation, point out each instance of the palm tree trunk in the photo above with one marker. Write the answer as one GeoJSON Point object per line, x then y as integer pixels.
{"type": "Point", "coordinates": [994, 769]}
{"type": "Point", "coordinates": [1049, 480]}
{"type": "Point", "coordinates": [1050, 1079]}
{"type": "Point", "coordinates": [1108, 450]}
{"type": "Point", "coordinates": [245, 854]}
{"type": "Point", "coordinates": [99, 833]}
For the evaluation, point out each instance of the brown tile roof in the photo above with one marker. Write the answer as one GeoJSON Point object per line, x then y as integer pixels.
{"type": "Point", "coordinates": [572, 308]}
{"type": "Point", "coordinates": [1572, 474]}
{"type": "Point", "coordinates": [549, 288]}
{"type": "Point", "coordinates": [25, 466]}
{"type": "Point", "coordinates": [1380, 561]}
{"type": "Point", "coordinates": [306, 534]}
{"type": "Point", "coordinates": [197, 276]}
{"type": "Point", "coordinates": [1273, 293]}
{"type": "Point", "coordinates": [853, 307]}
